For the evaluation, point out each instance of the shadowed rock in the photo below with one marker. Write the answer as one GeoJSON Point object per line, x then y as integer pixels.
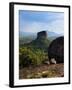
{"type": "Point", "coordinates": [42, 34]}
{"type": "Point", "coordinates": [56, 50]}
{"type": "Point", "coordinates": [41, 42]}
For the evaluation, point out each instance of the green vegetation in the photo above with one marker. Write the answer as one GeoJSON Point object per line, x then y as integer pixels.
{"type": "Point", "coordinates": [33, 55]}
{"type": "Point", "coordinates": [29, 56]}
{"type": "Point", "coordinates": [27, 39]}
{"type": "Point", "coordinates": [33, 52]}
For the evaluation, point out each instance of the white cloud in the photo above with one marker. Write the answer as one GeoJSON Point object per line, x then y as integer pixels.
{"type": "Point", "coordinates": [56, 26]}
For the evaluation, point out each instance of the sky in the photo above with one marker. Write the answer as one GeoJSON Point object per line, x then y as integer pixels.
{"type": "Point", "coordinates": [36, 21]}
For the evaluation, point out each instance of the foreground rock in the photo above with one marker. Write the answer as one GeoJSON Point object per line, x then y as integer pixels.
{"type": "Point", "coordinates": [56, 50]}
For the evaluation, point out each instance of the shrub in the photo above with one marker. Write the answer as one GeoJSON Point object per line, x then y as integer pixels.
{"type": "Point", "coordinates": [29, 56]}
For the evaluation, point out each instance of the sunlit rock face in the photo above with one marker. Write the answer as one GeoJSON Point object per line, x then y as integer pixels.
{"type": "Point", "coordinates": [56, 50]}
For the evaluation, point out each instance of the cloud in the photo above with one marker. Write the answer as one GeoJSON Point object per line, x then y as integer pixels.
{"type": "Point", "coordinates": [39, 21]}
{"type": "Point", "coordinates": [56, 26]}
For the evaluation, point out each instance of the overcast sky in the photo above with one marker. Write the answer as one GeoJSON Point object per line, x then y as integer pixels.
{"type": "Point", "coordinates": [35, 21]}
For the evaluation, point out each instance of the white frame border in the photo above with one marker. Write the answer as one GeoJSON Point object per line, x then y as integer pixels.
{"type": "Point", "coordinates": [16, 46]}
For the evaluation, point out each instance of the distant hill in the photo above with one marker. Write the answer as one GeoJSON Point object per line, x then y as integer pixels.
{"type": "Point", "coordinates": [26, 37]}
{"type": "Point", "coordinates": [41, 42]}
{"type": "Point", "coordinates": [53, 34]}
{"type": "Point", "coordinates": [27, 34]}
{"type": "Point", "coordinates": [34, 35]}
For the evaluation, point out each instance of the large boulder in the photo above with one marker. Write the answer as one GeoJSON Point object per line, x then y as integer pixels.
{"type": "Point", "coordinates": [56, 50]}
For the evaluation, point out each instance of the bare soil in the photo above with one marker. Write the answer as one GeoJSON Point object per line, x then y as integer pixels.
{"type": "Point", "coordinates": [42, 71]}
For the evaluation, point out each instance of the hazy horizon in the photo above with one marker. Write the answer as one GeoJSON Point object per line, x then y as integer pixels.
{"type": "Point", "coordinates": [36, 21]}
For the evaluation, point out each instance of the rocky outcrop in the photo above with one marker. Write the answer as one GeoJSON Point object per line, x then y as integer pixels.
{"type": "Point", "coordinates": [42, 34]}
{"type": "Point", "coordinates": [56, 50]}
{"type": "Point", "coordinates": [41, 42]}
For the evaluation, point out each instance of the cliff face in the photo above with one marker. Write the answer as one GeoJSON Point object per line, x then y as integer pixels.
{"type": "Point", "coordinates": [42, 35]}
{"type": "Point", "coordinates": [41, 41]}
